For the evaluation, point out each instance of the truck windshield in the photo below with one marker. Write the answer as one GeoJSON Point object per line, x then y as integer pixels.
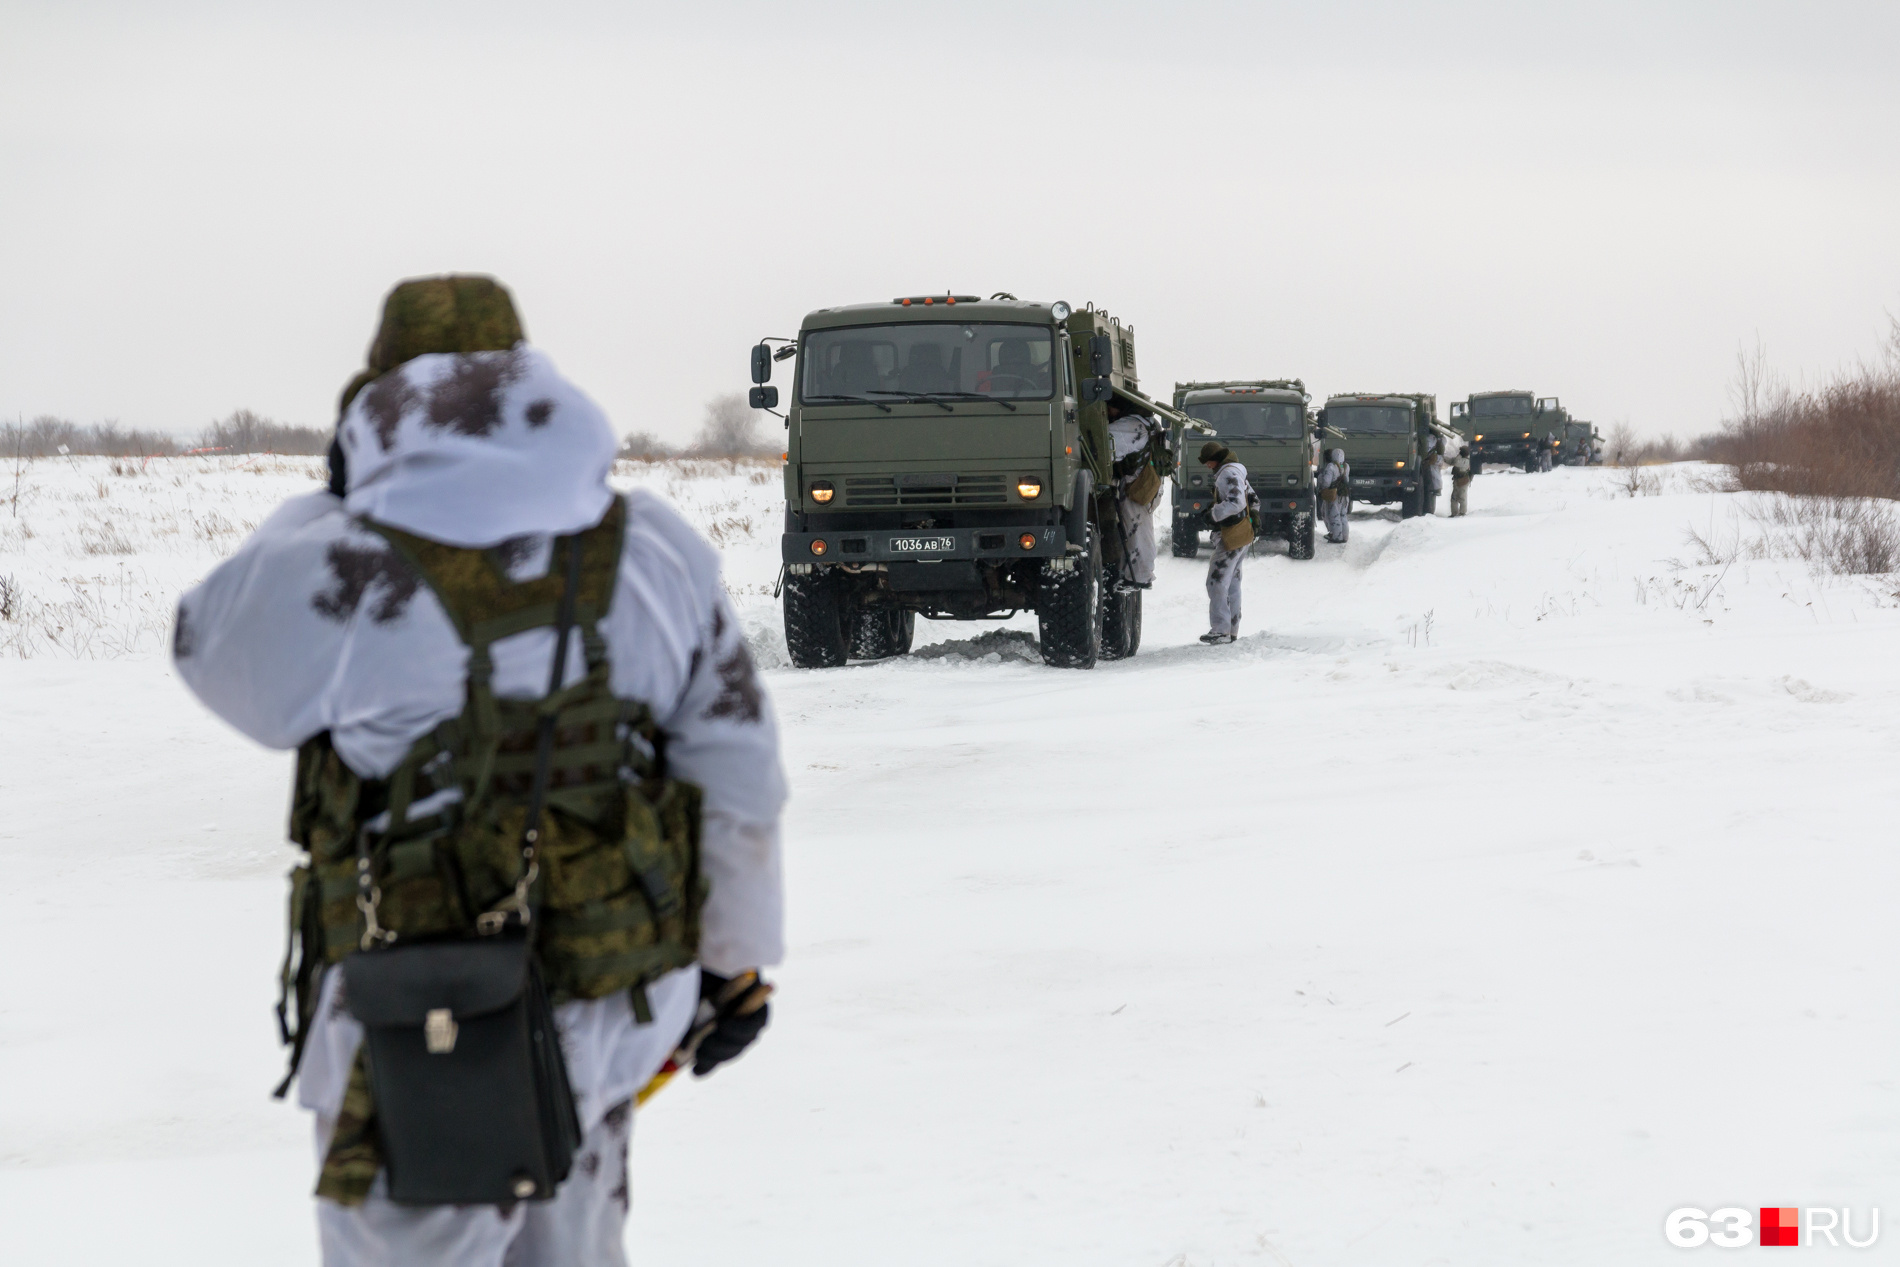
{"type": "Point", "coordinates": [1251, 419]}
{"type": "Point", "coordinates": [1501, 406]}
{"type": "Point", "coordinates": [1385, 419]}
{"type": "Point", "coordinates": [926, 358]}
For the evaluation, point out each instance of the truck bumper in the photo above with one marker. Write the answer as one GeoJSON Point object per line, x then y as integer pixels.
{"type": "Point", "coordinates": [925, 545]}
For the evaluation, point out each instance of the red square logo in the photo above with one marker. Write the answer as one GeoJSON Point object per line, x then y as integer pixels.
{"type": "Point", "coordinates": [1781, 1226]}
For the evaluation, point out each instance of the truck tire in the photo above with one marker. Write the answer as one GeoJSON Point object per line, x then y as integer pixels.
{"type": "Point", "coordinates": [1409, 503]}
{"type": "Point", "coordinates": [878, 633]}
{"type": "Point", "coordinates": [1299, 538]}
{"type": "Point", "coordinates": [1121, 624]}
{"type": "Point", "coordinates": [1477, 466]}
{"type": "Point", "coordinates": [1187, 539]}
{"type": "Point", "coordinates": [1069, 611]}
{"type": "Point", "coordinates": [814, 621]}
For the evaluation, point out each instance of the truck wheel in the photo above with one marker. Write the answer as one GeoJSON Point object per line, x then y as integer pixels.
{"type": "Point", "coordinates": [814, 621]}
{"type": "Point", "coordinates": [1121, 624]}
{"type": "Point", "coordinates": [1477, 466]}
{"type": "Point", "coordinates": [1299, 538]}
{"type": "Point", "coordinates": [1187, 539]}
{"type": "Point", "coordinates": [1069, 611]}
{"type": "Point", "coordinates": [879, 633]}
{"type": "Point", "coordinates": [1409, 503]}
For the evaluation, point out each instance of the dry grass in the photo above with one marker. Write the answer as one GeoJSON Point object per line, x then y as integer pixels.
{"type": "Point", "coordinates": [1840, 441]}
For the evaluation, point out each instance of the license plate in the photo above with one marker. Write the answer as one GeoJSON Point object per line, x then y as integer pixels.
{"type": "Point", "coordinates": [923, 545]}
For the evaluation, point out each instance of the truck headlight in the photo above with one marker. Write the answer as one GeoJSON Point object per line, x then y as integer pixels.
{"type": "Point", "coordinates": [1527, 435]}
{"type": "Point", "coordinates": [1478, 437]}
{"type": "Point", "coordinates": [1400, 465]}
{"type": "Point", "coordinates": [1029, 490]}
{"type": "Point", "coordinates": [822, 492]}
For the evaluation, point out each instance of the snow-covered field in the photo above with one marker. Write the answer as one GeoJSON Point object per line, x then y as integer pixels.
{"type": "Point", "coordinates": [1512, 882]}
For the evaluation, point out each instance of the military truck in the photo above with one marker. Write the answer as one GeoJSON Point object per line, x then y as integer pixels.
{"type": "Point", "coordinates": [1386, 438]}
{"type": "Point", "coordinates": [948, 456]}
{"type": "Point", "coordinates": [1578, 444]}
{"type": "Point", "coordinates": [1511, 427]}
{"type": "Point", "coordinates": [1272, 433]}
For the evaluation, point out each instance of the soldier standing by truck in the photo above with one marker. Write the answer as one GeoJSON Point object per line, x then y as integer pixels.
{"type": "Point", "coordinates": [1140, 448]}
{"type": "Point", "coordinates": [462, 779]}
{"type": "Point", "coordinates": [1335, 495]}
{"type": "Point", "coordinates": [1232, 515]}
{"type": "Point", "coordinates": [1460, 478]}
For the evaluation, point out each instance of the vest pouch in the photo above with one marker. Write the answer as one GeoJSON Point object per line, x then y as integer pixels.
{"type": "Point", "coordinates": [472, 1102]}
{"type": "Point", "coordinates": [1145, 487]}
{"type": "Point", "coordinates": [1329, 494]}
{"type": "Point", "coordinates": [1237, 535]}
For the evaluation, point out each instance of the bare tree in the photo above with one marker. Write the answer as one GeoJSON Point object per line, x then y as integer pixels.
{"type": "Point", "coordinates": [246, 432]}
{"type": "Point", "coordinates": [644, 446]}
{"type": "Point", "coordinates": [1622, 445]}
{"type": "Point", "coordinates": [730, 429]}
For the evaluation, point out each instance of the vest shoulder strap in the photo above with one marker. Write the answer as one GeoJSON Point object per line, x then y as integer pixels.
{"type": "Point", "coordinates": [484, 604]}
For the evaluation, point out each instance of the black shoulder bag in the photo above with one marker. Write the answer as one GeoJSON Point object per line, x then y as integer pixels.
{"type": "Point", "coordinates": [473, 1105]}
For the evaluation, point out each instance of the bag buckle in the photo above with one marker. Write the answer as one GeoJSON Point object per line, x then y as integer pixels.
{"type": "Point", "coordinates": [439, 1030]}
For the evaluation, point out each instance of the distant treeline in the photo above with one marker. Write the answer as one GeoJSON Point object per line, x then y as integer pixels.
{"type": "Point", "coordinates": [729, 429]}
{"type": "Point", "coordinates": [242, 432]}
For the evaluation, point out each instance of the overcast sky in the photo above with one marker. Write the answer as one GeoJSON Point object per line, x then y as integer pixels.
{"type": "Point", "coordinates": [202, 204]}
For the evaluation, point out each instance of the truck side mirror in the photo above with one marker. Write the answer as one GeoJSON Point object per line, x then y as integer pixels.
{"type": "Point", "coordinates": [764, 397]}
{"type": "Point", "coordinates": [761, 366]}
{"type": "Point", "coordinates": [1101, 355]}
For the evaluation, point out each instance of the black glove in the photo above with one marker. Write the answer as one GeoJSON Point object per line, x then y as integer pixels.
{"type": "Point", "coordinates": [732, 1013]}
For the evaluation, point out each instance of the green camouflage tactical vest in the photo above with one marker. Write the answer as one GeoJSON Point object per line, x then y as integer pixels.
{"type": "Point", "coordinates": [619, 888]}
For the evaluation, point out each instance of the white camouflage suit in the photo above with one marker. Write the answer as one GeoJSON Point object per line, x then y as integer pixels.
{"type": "Point", "coordinates": [1460, 479]}
{"type": "Point", "coordinates": [1337, 474]}
{"type": "Point", "coordinates": [316, 624]}
{"type": "Point", "coordinates": [1223, 570]}
{"type": "Point", "coordinates": [1128, 434]}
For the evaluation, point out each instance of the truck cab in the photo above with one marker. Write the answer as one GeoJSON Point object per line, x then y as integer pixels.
{"type": "Point", "coordinates": [1267, 425]}
{"type": "Point", "coordinates": [948, 456]}
{"type": "Point", "coordinates": [1387, 439]}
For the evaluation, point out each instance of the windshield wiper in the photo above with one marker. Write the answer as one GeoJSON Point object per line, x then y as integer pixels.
{"type": "Point", "coordinates": [862, 400]}
{"type": "Point", "coordinates": [931, 397]}
{"type": "Point", "coordinates": [994, 400]}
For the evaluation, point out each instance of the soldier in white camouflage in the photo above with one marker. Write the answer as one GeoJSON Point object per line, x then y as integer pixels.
{"type": "Point", "coordinates": [337, 630]}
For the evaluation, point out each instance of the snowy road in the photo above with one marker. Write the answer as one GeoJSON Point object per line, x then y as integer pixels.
{"type": "Point", "coordinates": [1512, 882]}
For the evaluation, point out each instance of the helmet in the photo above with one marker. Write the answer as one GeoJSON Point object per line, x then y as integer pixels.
{"type": "Point", "coordinates": [1214, 451]}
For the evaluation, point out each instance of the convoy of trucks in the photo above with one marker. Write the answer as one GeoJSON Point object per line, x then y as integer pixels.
{"type": "Point", "coordinates": [948, 456]}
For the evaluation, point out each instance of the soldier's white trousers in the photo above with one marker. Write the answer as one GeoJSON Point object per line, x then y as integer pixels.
{"type": "Point", "coordinates": [1338, 524]}
{"type": "Point", "coordinates": [583, 1226]}
{"type": "Point", "coordinates": [1138, 540]}
{"type": "Point", "coordinates": [1459, 489]}
{"type": "Point", "coordinates": [1223, 588]}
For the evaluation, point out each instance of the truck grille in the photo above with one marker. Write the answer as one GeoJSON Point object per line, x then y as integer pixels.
{"type": "Point", "coordinates": [867, 492]}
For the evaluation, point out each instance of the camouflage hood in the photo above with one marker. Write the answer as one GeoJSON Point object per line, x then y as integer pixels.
{"type": "Point", "coordinates": [471, 449]}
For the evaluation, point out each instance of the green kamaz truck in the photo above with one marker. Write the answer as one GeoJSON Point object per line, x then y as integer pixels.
{"type": "Point", "coordinates": [948, 456]}
{"type": "Point", "coordinates": [1512, 428]}
{"type": "Point", "coordinates": [1386, 438]}
{"type": "Point", "coordinates": [1272, 433]}
{"type": "Point", "coordinates": [1578, 444]}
